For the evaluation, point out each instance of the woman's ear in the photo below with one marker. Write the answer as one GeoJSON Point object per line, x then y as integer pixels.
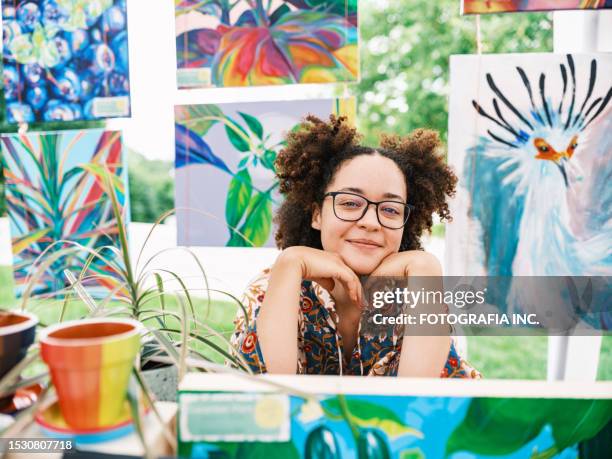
{"type": "Point", "coordinates": [316, 217]}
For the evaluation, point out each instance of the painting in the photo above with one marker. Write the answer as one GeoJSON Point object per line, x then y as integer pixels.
{"type": "Point", "coordinates": [529, 139]}
{"type": "Point", "coordinates": [509, 6]}
{"type": "Point", "coordinates": [361, 419]}
{"type": "Point", "coordinates": [226, 190]}
{"type": "Point", "coordinates": [257, 42]}
{"type": "Point", "coordinates": [57, 197]}
{"type": "Point", "coordinates": [65, 60]}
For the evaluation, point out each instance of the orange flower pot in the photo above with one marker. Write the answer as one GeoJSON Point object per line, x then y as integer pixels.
{"type": "Point", "coordinates": [91, 362]}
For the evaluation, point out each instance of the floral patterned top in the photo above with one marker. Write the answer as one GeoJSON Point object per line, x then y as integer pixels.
{"type": "Point", "coordinates": [320, 344]}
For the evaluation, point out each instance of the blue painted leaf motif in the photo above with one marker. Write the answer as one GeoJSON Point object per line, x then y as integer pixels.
{"type": "Point", "coordinates": [192, 149]}
{"type": "Point", "coordinates": [247, 19]}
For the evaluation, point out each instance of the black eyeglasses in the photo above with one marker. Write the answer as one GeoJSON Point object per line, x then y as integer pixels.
{"type": "Point", "coordinates": [351, 207]}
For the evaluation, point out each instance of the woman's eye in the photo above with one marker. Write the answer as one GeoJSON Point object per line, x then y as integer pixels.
{"type": "Point", "coordinates": [350, 204]}
{"type": "Point", "coordinates": [390, 211]}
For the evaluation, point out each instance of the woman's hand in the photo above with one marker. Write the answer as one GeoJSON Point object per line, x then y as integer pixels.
{"type": "Point", "coordinates": [421, 356]}
{"type": "Point", "coordinates": [409, 263]}
{"type": "Point", "coordinates": [324, 268]}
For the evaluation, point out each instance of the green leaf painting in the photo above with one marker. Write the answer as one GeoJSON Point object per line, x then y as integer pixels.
{"type": "Point", "coordinates": [226, 189]}
{"type": "Point", "coordinates": [418, 427]}
{"type": "Point", "coordinates": [499, 426]}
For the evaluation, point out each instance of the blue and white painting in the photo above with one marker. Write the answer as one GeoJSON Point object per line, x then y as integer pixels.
{"type": "Point", "coordinates": [65, 60]}
{"type": "Point", "coordinates": [529, 135]}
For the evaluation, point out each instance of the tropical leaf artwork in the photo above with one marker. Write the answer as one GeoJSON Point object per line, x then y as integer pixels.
{"type": "Point", "coordinates": [65, 60]}
{"type": "Point", "coordinates": [226, 191]}
{"type": "Point", "coordinates": [57, 197]}
{"type": "Point", "coordinates": [257, 42]}
{"type": "Point", "coordinates": [508, 6]}
{"type": "Point", "coordinates": [371, 425]}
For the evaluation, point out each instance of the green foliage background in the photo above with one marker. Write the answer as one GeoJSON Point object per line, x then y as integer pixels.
{"type": "Point", "coordinates": [405, 50]}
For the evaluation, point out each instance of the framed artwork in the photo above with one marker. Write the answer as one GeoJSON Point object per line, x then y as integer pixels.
{"type": "Point", "coordinates": [65, 60]}
{"type": "Point", "coordinates": [510, 6]}
{"type": "Point", "coordinates": [56, 191]}
{"type": "Point", "coordinates": [400, 418]}
{"type": "Point", "coordinates": [247, 43]}
{"type": "Point", "coordinates": [226, 190]}
{"type": "Point", "coordinates": [529, 138]}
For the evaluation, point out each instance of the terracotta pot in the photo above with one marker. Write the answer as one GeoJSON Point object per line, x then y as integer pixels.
{"type": "Point", "coordinates": [17, 330]}
{"type": "Point", "coordinates": [91, 362]}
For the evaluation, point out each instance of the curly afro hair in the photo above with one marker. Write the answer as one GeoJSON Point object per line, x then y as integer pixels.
{"type": "Point", "coordinates": [317, 149]}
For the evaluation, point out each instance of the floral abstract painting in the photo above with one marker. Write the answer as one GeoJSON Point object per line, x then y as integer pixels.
{"type": "Point", "coordinates": [507, 6]}
{"type": "Point", "coordinates": [529, 135]}
{"type": "Point", "coordinates": [257, 42]}
{"type": "Point", "coordinates": [65, 60]}
{"type": "Point", "coordinates": [56, 191]}
{"type": "Point", "coordinates": [226, 190]}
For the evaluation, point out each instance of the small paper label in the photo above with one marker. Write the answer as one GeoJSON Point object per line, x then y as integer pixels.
{"type": "Point", "coordinates": [234, 417]}
{"type": "Point", "coordinates": [193, 77]}
{"type": "Point", "coordinates": [109, 107]}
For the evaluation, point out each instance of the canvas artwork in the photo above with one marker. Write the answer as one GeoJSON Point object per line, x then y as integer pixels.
{"type": "Point", "coordinates": [225, 153]}
{"type": "Point", "coordinates": [65, 60]}
{"type": "Point", "coordinates": [357, 420]}
{"type": "Point", "coordinates": [507, 6]}
{"type": "Point", "coordinates": [246, 43]}
{"type": "Point", "coordinates": [529, 136]}
{"type": "Point", "coordinates": [55, 190]}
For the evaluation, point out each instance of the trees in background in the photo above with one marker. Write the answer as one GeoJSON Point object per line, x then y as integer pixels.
{"type": "Point", "coordinates": [405, 50]}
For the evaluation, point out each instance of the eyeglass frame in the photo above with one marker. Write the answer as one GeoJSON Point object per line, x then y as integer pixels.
{"type": "Point", "coordinates": [333, 194]}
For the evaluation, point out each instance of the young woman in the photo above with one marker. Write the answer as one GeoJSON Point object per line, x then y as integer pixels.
{"type": "Point", "coordinates": [348, 211]}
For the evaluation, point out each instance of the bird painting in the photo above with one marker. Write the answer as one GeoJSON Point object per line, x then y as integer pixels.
{"type": "Point", "coordinates": [529, 135]}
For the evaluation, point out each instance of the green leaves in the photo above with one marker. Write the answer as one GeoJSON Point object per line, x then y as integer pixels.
{"type": "Point", "coordinates": [238, 137]}
{"type": "Point", "coordinates": [238, 197]}
{"type": "Point", "coordinates": [497, 426]}
{"type": "Point", "coordinates": [370, 415]}
{"type": "Point", "coordinates": [258, 450]}
{"type": "Point", "coordinates": [198, 118]}
{"type": "Point", "coordinates": [257, 224]}
{"type": "Point", "coordinates": [253, 124]}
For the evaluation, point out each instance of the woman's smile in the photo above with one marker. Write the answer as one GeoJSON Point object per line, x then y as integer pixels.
{"type": "Point", "coordinates": [365, 244]}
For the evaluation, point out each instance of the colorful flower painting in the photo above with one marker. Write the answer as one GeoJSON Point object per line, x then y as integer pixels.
{"type": "Point", "coordinates": [225, 185]}
{"type": "Point", "coordinates": [56, 191]}
{"type": "Point", "coordinates": [257, 42]}
{"type": "Point", "coordinates": [529, 135]}
{"type": "Point", "coordinates": [508, 6]}
{"type": "Point", "coordinates": [65, 60]}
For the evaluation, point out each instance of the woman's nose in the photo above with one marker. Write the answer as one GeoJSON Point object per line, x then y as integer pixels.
{"type": "Point", "coordinates": [370, 219]}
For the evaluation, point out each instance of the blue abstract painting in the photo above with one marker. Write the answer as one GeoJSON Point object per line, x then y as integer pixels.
{"type": "Point", "coordinates": [65, 60]}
